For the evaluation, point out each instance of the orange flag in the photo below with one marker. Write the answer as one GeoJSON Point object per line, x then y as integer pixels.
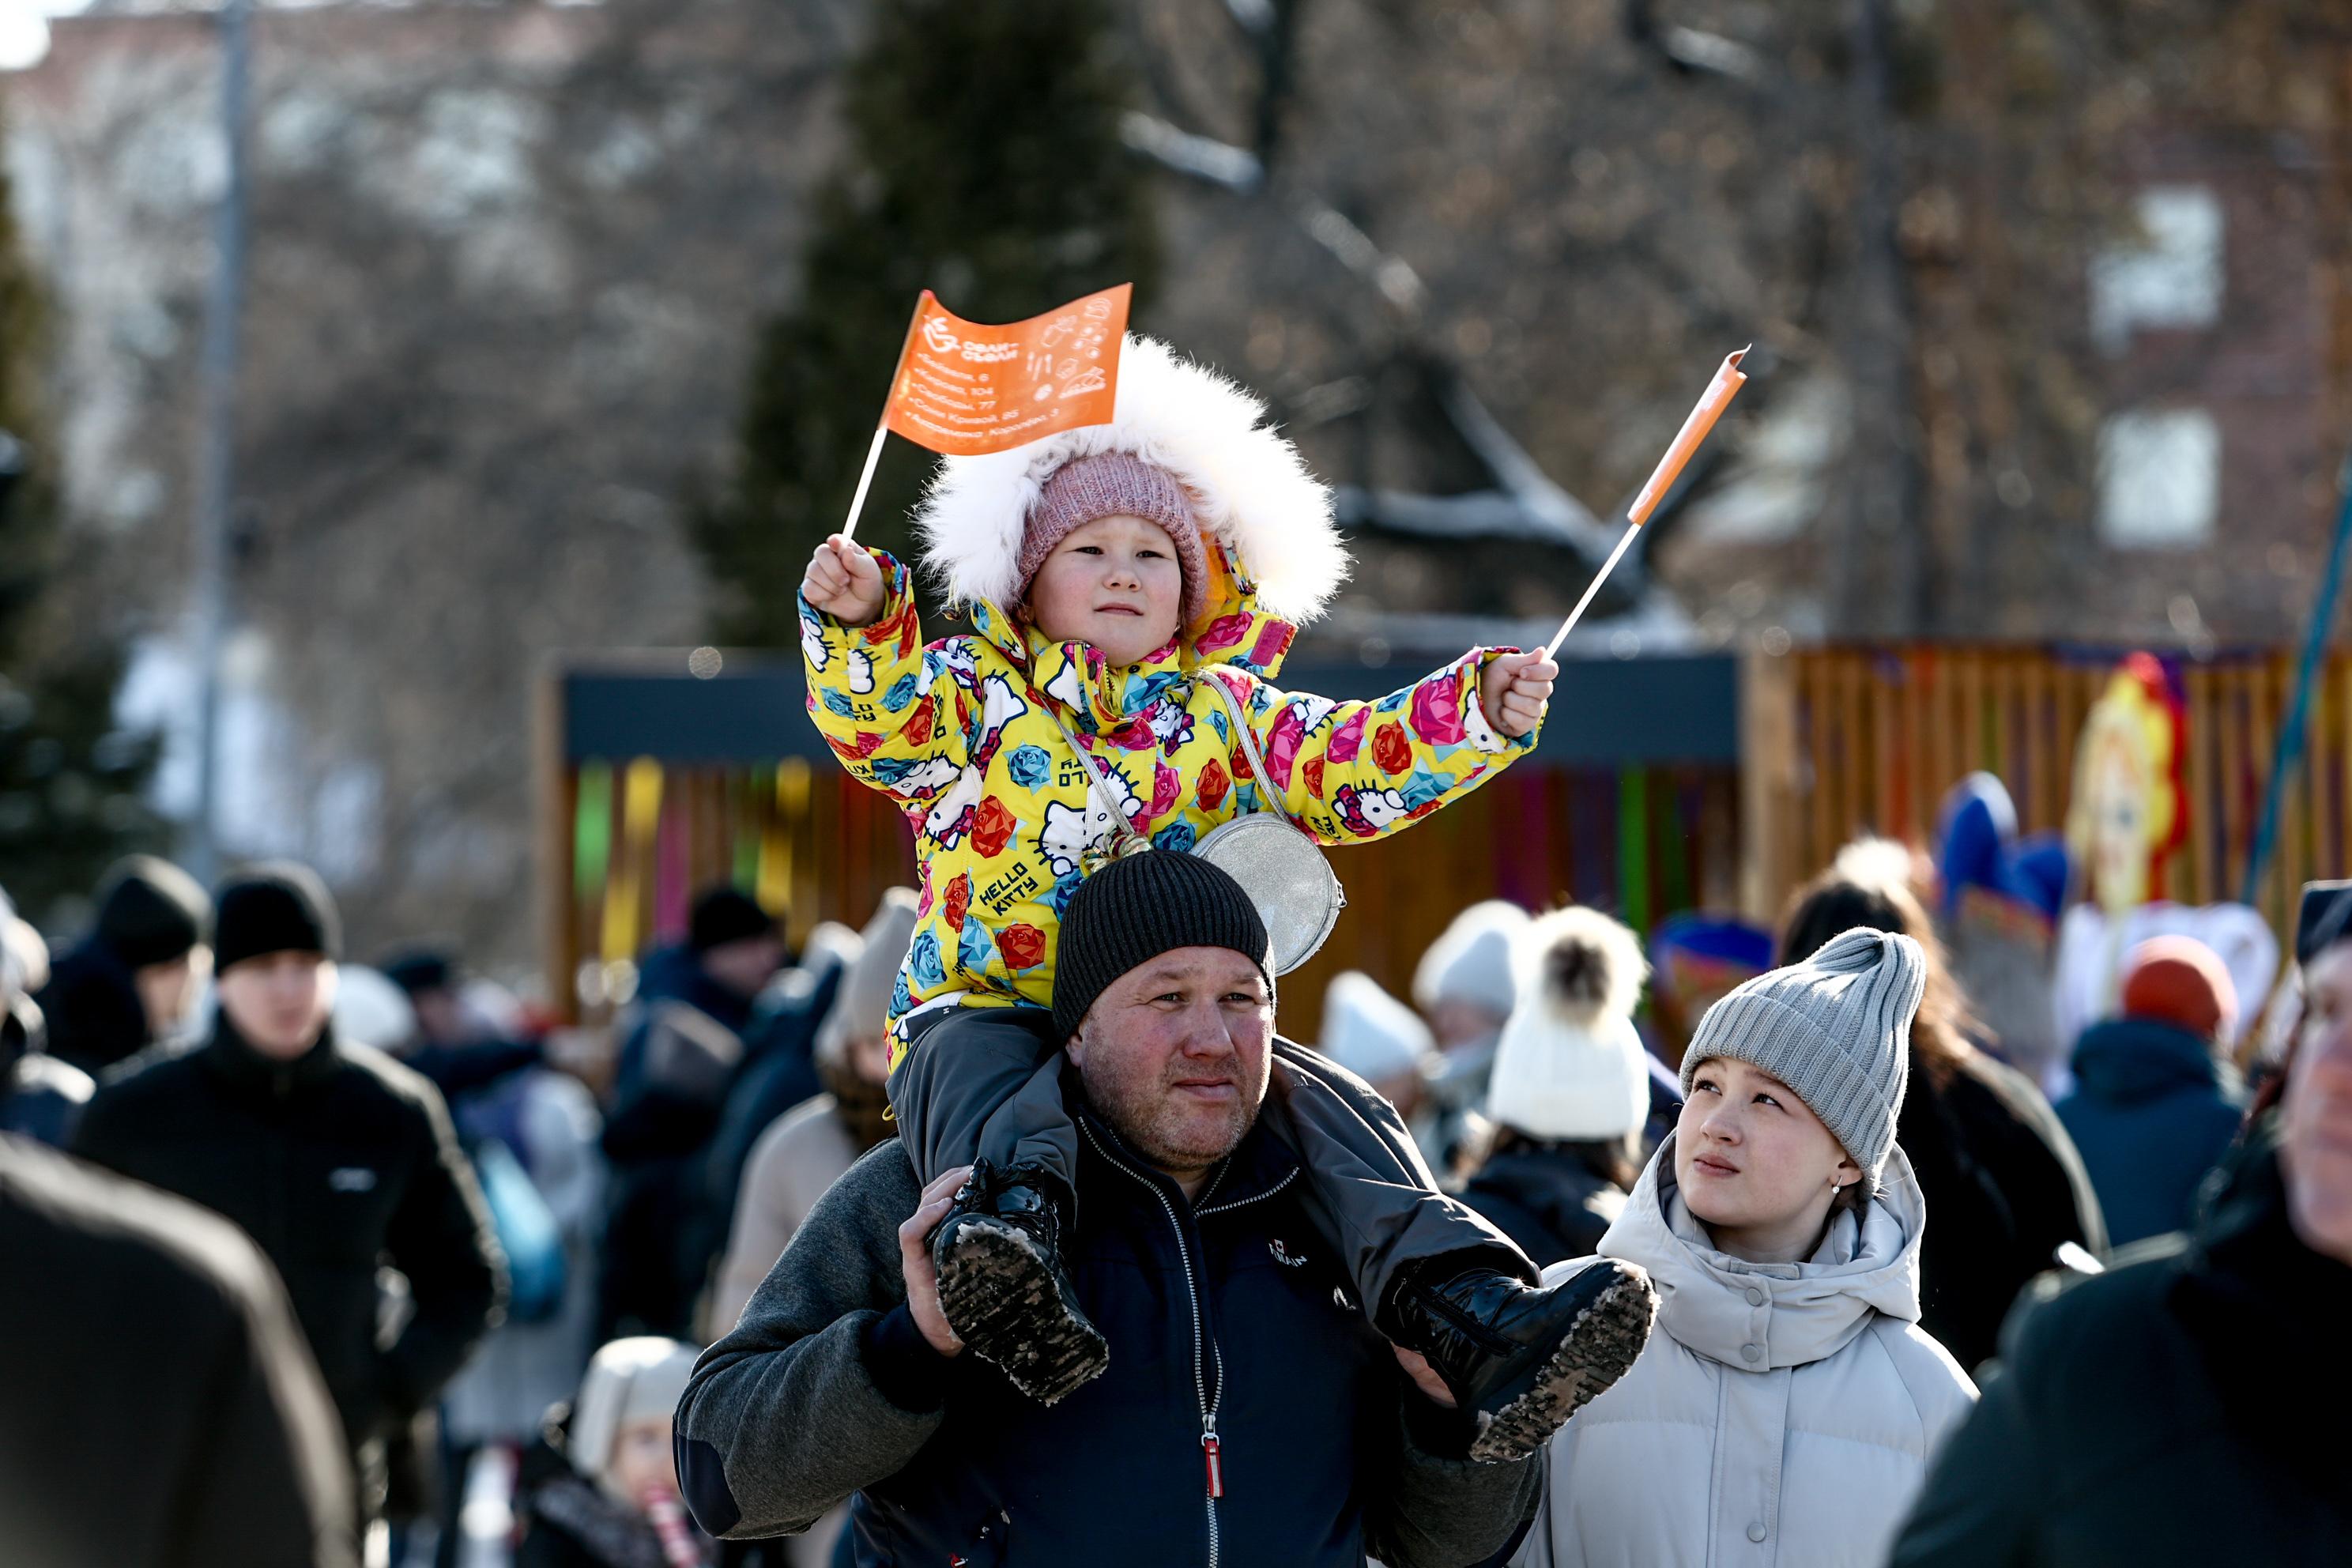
{"type": "Point", "coordinates": [965, 389]}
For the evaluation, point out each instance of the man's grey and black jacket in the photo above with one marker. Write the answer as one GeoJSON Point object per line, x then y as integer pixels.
{"type": "Point", "coordinates": [333, 1162]}
{"type": "Point", "coordinates": [1248, 1415]}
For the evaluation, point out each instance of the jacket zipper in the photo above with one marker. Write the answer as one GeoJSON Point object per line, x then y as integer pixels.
{"type": "Point", "coordinates": [1213, 1458]}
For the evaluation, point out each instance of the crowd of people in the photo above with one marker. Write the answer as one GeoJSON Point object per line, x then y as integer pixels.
{"type": "Point", "coordinates": [462, 1292]}
{"type": "Point", "coordinates": [1019, 1227]}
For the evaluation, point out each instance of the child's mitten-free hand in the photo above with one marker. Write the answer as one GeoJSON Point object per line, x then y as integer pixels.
{"type": "Point", "coordinates": [1513, 690]}
{"type": "Point", "coordinates": [843, 581]}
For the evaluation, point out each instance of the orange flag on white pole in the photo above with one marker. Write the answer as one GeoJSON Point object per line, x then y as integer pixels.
{"type": "Point", "coordinates": [962, 388]}
{"type": "Point", "coordinates": [1729, 380]}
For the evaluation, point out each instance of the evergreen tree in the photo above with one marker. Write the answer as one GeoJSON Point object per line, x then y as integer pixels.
{"type": "Point", "coordinates": [70, 782]}
{"type": "Point", "coordinates": [984, 162]}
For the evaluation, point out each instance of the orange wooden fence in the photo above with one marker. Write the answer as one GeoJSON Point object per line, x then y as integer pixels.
{"type": "Point", "coordinates": [1839, 740]}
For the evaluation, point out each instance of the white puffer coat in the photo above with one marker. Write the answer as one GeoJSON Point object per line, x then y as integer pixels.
{"type": "Point", "coordinates": [1781, 1416]}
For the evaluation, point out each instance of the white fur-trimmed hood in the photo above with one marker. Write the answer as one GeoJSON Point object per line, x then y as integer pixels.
{"type": "Point", "coordinates": [1250, 488]}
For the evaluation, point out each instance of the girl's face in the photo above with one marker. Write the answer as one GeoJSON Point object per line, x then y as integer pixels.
{"type": "Point", "coordinates": [2315, 1137]}
{"type": "Point", "coordinates": [1115, 584]}
{"type": "Point", "coordinates": [1755, 1164]}
{"type": "Point", "coordinates": [642, 1465]}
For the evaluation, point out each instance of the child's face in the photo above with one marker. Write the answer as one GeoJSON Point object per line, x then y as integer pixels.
{"type": "Point", "coordinates": [1752, 1157]}
{"type": "Point", "coordinates": [642, 1465]}
{"type": "Point", "coordinates": [1114, 583]}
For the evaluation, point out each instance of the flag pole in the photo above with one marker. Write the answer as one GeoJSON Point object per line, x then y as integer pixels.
{"type": "Point", "coordinates": [882, 426]}
{"type": "Point", "coordinates": [866, 479]}
{"type": "Point", "coordinates": [1729, 380]}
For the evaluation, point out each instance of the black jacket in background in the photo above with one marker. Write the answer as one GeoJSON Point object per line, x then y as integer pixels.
{"type": "Point", "coordinates": [157, 1407]}
{"type": "Point", "coordinates": [1546, 1199]}
{"type": "Point", "coordinates": [332, 1162]}
{"type": "Point", "coordinates": [2179, 1408]}
{"type": "Point", "coordinates": [2004, 1187]}
{"type": "Point", "coordinates": [91, 1004]}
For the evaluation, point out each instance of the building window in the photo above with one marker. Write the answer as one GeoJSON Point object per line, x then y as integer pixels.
{"type": "Point", "coordinates": [2168, 274]}
{"type": "Point", "coordinates": [2159, 479]}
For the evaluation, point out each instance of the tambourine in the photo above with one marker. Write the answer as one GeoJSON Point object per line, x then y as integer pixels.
{"type": "Point", "coordinates": [1285, 875]}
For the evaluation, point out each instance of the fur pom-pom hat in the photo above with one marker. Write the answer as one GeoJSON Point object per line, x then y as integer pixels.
{"type": "Point", "coordinates": [1248, 488]}
{"type": "Point", "coordinates": [1570, 1066]}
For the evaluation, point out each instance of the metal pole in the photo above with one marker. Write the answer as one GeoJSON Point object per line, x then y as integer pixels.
{"type": "Point", "coordinates": [216, 451]}
{"type": "Point", "coordinates": [2289, 752]}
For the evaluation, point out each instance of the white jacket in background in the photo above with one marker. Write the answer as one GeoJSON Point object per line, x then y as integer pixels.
{"type": "Point", "coordinates": [1783, 1415]}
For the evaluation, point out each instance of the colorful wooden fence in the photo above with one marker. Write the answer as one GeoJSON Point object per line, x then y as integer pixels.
{"type": "Point", "coordinates": [645, 803]}
{"type": "Point", "coordinates": [1839, 740]}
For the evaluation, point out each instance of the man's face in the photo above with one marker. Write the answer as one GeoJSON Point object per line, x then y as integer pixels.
{"type": "Point", "coordinates": [1174, 1056]}
{"type": "Point", "coordinates": [280, 1001]}
{"type": "Point", "coordinates": [166, 991]}
{"type": "Point", "coordinates": [2316, 1138]}
{"type": "Point", "coordinates": [746, 964]}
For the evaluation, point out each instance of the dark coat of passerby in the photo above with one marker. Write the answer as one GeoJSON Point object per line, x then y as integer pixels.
{"type": "Point", "coordinates": [1571, 1089]}
{"type": "Point", "coordinates": [2156, 1104]}
{"type": "Point", "coordinates": [158, 1407]}
{"type": "Point", "coordinates": [1247, 1415]}
{"type": "Point", "coordinates": [1999, 1175]}
{"type": "Point", "coordinates": [131, 982]}
{"type": "Point", "coordinates": [779, 1067]}
{"type": "Point", "coordinates": [330, 1155]}
{"type": "Point", "coordinates": [808, 1148]}
{"type": "Point", "coordinates": [600, 1488]}
{"type": "Point", "coordinates": [2175, 1409]}
{"type": "Point", "coordinates": [680, 1052]}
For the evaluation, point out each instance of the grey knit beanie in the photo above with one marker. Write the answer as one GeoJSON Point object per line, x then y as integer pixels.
{"type": "Point", "coordinates": [1836, 1028]}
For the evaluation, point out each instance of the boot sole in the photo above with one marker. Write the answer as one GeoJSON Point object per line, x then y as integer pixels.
{"type": "Point", "coordinates": [999, 1296]}
{"type": "Point", "coordinates": [1594, 1354]}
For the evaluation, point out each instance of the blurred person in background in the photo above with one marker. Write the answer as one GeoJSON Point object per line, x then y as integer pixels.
{"type": "Point", "coordinates": [1788, 1408]}
{"type": "Point", "coordinates": [532, 1134]}
{"type": "Point", "coordinates": [41, 1098]}
{"type": "Point", "coordinates": [1377, 1039]}
{"type": "Point", "coordinates": [1999, 1173]}
{"type": "Point", "coordinates": [779, 1071]}
{"type": "Point", "coordinates": [330, 1155]}
{"type": "Point", "coordinates": [805, 1151]}
{"type": "Point", "coordinates": [160, 1409]}
{"type": "Point", "coordinates": [600, 1488]}
{"type": "Point", "coordinates": [682, 1043]}
{"type": "Point", "coordinates": [2157, 1103]}
{"type": "Point", "coordinates": [134, 979]}
{"type": "Point", "coordinates": [2178, 1407]}
{"type": "Point", "coordinates": [1571, 1089]}
{"type": "Point", "coordinates": [1462, 985]}
{"type": "Point", "coordinates": [454, 1041]}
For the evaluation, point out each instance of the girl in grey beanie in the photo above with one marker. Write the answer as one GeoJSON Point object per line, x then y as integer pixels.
{"type": "Point", "coordinates": [1788, 1401]}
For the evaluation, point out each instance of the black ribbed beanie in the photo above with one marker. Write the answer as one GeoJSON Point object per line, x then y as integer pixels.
{"type": "Point", "coordinates": [280, 907]}
{"type": "Point", "coordinates": [1138, 907]}
{"type": "Point", "coordinates": [151, 911]}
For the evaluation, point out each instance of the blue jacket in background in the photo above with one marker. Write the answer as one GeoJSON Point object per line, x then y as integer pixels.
{"type": "Point", "coordinates": [2153, 1110]}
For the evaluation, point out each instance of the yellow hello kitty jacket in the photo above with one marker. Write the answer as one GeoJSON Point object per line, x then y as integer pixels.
{"type": "Point", "coordinates": [962, 733]}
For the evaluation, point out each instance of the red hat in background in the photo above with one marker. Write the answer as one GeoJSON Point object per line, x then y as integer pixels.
{"type": "Point", "coordinates": [2180, 981]}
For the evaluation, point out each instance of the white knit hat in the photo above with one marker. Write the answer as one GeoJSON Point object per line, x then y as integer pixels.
{"type": "Point", "coordinates": [1369, 1031]}
{"type": "Point", "coordinates": [1570, 1066]}
{"type": "Point", "coordinates": [628, 1380]}
{"type": "Point", "coordinates": [1472, 961]}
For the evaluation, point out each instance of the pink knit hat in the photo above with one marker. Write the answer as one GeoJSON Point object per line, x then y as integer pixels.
{"type": "Point", "coordinates": [1113, 484]}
